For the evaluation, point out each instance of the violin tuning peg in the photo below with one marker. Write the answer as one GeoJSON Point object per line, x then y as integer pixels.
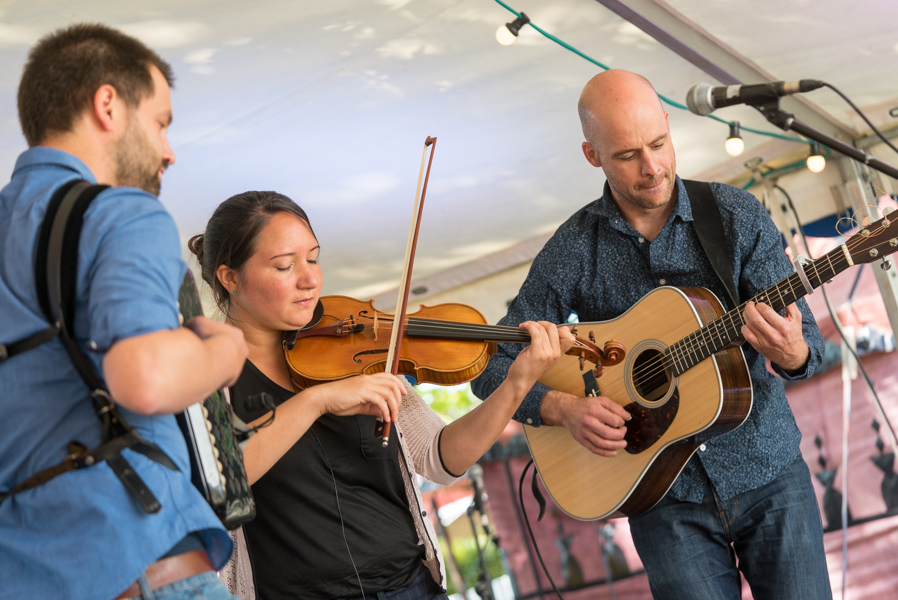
{"type": "Point", "coordinates": [582, 361]}
{"type": "Point", "coordinates": [598, 371]}
{"type": "Point", "coordinates": [592, 337]}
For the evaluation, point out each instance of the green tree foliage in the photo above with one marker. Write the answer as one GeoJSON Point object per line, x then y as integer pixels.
{"type": "Point", "coordinates": [449, 402]}
{"type": "Point", "coordinates": [468, 560]}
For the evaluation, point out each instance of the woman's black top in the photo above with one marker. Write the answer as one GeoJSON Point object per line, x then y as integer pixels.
{"type": "Point", "coordinates": [337, 472]}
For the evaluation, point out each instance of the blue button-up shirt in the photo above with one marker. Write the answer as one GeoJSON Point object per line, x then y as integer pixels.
{"type": "Point", "coordinates": [597, 266]}
{"type": "Point", "coordinates": [81, 535]}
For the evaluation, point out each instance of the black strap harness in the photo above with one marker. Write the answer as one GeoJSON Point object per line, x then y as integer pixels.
{"type": "Point", "coordinates": [708, 227]}
{"type": "Point", "coordinates": [55, 275]}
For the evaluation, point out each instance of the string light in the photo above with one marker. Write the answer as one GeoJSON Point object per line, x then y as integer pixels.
{"type": "Point", "coordinates": [505, 30]}
{"type": "Point", "coordinates": [508, 33]}
{"type": "Point", "coordinates": [816, 162]}
{"type": "Point", "coordinates": [734, 144]}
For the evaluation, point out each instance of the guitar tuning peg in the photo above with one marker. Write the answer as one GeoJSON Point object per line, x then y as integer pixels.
{"type": "Point", "coordinates": [885, 265]}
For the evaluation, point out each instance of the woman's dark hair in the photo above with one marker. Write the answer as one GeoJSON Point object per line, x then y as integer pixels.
{"type": "Point", "coordinates": [231, 234]}
{"type": "Point", "coordinates": [65, 69]}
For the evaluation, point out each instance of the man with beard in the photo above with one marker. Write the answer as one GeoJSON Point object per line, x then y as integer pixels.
{"type": "Point", "coordinates": [745, 497]}
{"type": "Point", "coordinates": [94, 105]}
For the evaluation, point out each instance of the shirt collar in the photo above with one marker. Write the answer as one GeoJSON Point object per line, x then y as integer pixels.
{"type": "Point", "coordinates": [41, 156]}
{"type": "Point", "coordinates": [605, 206]}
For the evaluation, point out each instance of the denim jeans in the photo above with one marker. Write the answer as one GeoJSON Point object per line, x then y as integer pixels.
{"type": "Point", "coordinates": [206, 586]}
{"type": "Point", "coordinates": [774, 534]}
{"type": "Point", "coordinates": [422, 588]}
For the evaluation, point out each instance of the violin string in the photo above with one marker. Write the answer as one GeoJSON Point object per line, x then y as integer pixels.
{"type": "Point", "coordinates": [651, 368]}
{"type": "Point", "coordinates": [481, 332]}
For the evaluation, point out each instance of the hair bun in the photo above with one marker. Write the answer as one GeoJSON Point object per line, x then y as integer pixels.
{"type": "Point", "coordinates": [195, 245]}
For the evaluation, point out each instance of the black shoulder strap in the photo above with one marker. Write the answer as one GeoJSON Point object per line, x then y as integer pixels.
{"type": "Point", "coordinates": [709, 229]}
{"type": "Point", "coordinates": [55, 269]}
{"type": "Point", "coordinates": [56, 261]}
{"type": "Point", "coordinates": [40, 278]}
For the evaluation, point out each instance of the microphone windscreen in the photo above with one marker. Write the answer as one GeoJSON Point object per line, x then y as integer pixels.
{"type": "Point", "coordinates": [698, 99]}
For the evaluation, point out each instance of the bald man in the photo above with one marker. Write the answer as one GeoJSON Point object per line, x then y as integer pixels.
{"type": "Point", "coordinates": [745, 496]}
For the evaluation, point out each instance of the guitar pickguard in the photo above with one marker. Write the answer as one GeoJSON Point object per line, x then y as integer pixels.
{"type": "Point", "coordinates": [649, 424]}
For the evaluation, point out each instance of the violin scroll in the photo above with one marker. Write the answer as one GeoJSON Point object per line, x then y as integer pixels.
{"type": "Point", "coordinates": [587, 350]}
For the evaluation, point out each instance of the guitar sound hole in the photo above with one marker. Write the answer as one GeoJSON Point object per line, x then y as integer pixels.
{"type": "Point", "coordinates": [652, 382]}
{"type": "Point", "coordinates": [651, 377]}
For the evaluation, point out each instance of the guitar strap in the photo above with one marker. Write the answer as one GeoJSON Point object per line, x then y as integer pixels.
{"type": "Point", "coordinates": [708, 227]}
{"type": "Point", "coordinates": [55, 269]}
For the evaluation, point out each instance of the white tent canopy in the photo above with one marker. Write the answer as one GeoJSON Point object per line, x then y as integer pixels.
{"type": "Point", "coordinates": [330, 103]}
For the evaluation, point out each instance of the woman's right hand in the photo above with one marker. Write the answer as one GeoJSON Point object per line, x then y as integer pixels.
{"type": "Point", "coordinates": [379, 395]}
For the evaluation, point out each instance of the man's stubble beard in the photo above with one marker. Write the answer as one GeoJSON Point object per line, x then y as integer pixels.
{"type": "Point", "coordinates": [136, 163]}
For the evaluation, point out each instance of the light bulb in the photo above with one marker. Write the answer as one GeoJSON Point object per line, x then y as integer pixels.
{"type": "Point", "coordinates": [816, 163]}
{"type": "Point", "coordinates": [734, 146]}
{"type": "Point", "coordinates": [507, 33]}
{"type": "Point", "coordinates": [504, 36]}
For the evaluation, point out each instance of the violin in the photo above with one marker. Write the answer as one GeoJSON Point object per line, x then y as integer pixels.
{"type": "Point", "coordinates": [444, 344]}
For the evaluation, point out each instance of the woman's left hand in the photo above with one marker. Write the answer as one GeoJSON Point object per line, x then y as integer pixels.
{"type": "Point", "coordinates": [547, 343]}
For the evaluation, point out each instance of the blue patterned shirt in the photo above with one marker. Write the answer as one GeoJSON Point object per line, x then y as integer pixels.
{"type": "Point", "coordinates": [597, 266]}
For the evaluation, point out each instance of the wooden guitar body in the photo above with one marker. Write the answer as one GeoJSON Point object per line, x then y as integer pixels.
{"type": "Point", "coordinates": [668, 410]}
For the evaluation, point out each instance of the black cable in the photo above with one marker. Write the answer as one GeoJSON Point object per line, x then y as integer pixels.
{"type": "Point", "coordinates": [835, 319]}
{"type": "Point", "coordinates": [530, 530]}
{"type": "Point", "coordinates": [339, 511]}
{"type": "Point", "coordinates": [336, 494]}
{"type": "Point", "coordinates": [862, 115]}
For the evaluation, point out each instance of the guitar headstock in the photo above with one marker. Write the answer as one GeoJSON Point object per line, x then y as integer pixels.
{"type": "Point", "coordinates": [874, 241]}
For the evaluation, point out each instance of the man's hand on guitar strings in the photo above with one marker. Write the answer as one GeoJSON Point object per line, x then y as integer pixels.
{"type": "Point", "coordinates": [776, 338]}
{"type": "Point", "coordinates": [597, 423]}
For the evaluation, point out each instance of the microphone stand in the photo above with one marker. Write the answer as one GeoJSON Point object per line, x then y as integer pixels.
{"type": "Point", "coordinates": [787, 121]}
{"type": "Point", "coordinates": [484, 586]}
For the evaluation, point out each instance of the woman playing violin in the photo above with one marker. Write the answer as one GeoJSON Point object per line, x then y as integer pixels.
{"type": "Point", "coordinates": [338, 514]}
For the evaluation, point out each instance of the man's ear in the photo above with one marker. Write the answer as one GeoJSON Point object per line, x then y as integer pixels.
{"type": "Point", "coordinates": [107, 107]}
{"type": "Point", "coordinates": [591, 155]}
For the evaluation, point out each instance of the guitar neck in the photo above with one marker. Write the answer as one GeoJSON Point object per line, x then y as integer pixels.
{"type": "Point", "coordinates": [724, 330]}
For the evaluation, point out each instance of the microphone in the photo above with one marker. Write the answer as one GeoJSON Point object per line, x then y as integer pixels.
{"type": "Point", "coordinates": [703, 98]}
{"type": "Point", "coordinates": [475, 473]}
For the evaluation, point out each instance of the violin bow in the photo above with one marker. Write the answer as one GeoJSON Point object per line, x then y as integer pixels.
{"type": "Point", "coordinates": [398, 332]}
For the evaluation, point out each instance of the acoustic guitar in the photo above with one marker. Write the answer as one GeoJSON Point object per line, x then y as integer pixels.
{"type": "Point", "coordinates": [683, 374]}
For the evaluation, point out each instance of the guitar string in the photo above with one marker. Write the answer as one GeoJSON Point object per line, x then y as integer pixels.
{"type": "Point", "coordinates": [687, 344]}
{"type": "Point", "coordinates": [683, 352]}
{"type": "Point", "coordinates": [683, 355]}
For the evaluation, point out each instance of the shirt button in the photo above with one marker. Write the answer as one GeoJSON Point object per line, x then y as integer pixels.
{"type": "Point", "coordinates": [93, 345]}
{"type": "Point", "coordinates": [702, 447]}
{"type": "Point", "coordinates": [641, 240]}
{"type": "Point", "coordinates": [423, 513]}
{"type": "Point", "coordinates": [529, 421]}
{"type": "Point", "coordinates": [662, 282]}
